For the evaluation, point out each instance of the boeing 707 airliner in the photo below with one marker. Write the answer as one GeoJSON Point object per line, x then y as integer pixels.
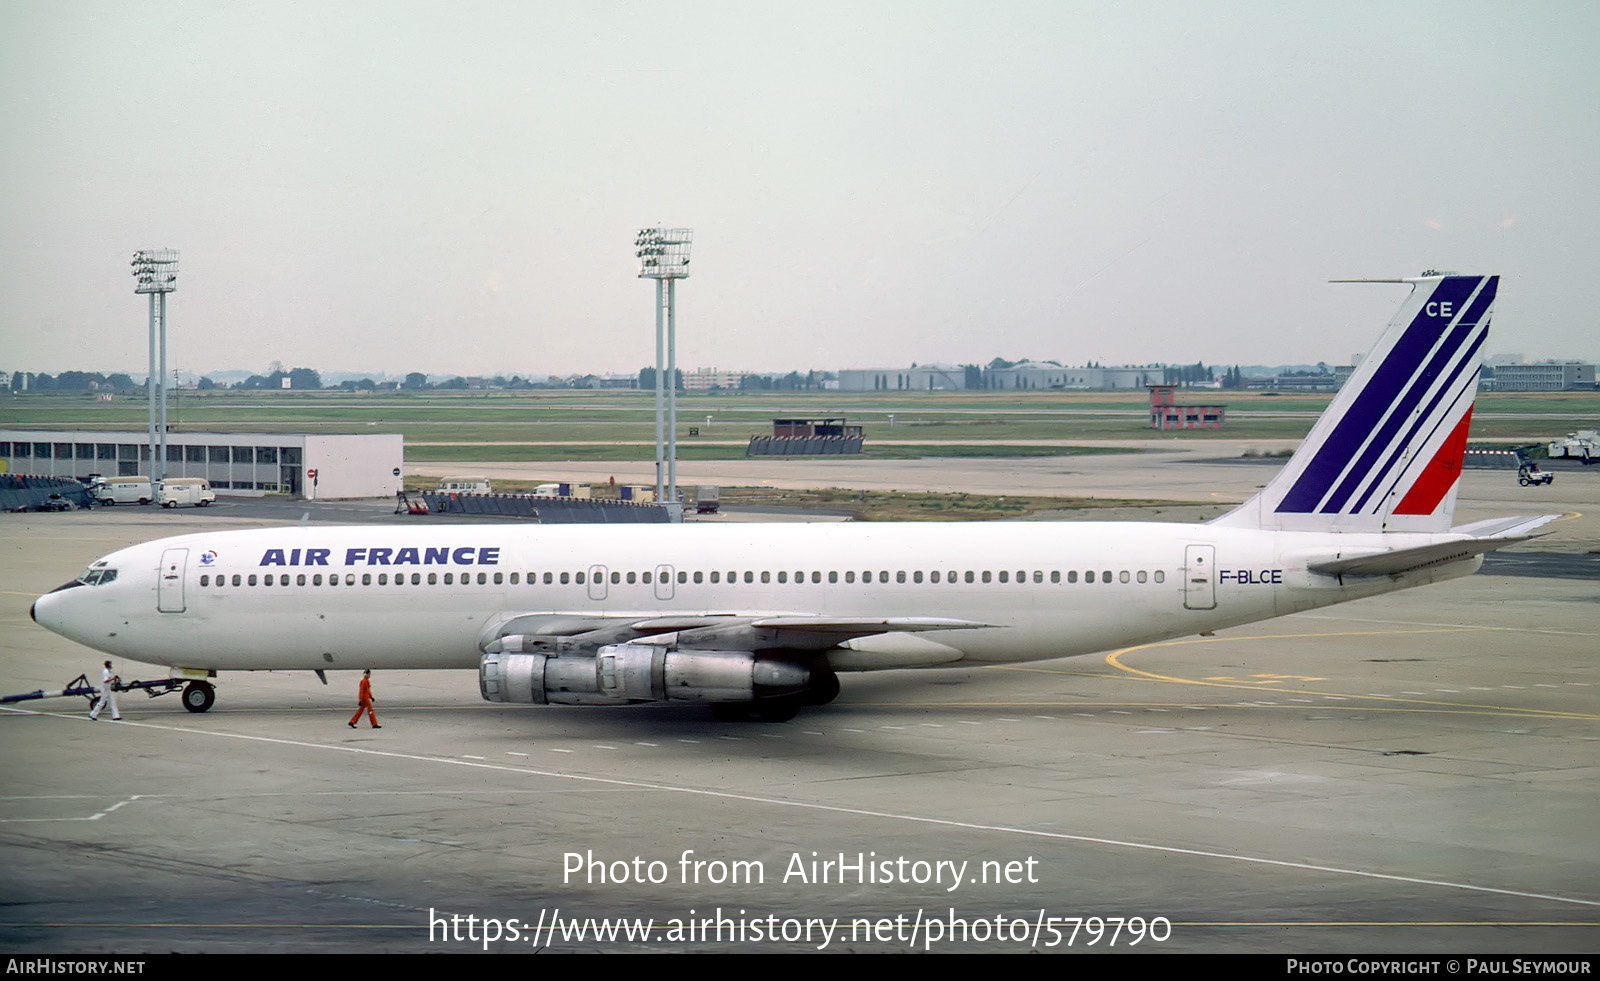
{"type": "Point", "coordinates": [759, 620]}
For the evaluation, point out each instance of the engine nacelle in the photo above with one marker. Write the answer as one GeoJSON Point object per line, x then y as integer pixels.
{"type": "Point", "coordinates": [623, 673]}
{"type": "Point", "coordinates": [539, 679]}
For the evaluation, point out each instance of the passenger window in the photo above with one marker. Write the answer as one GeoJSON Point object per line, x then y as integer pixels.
{"type": "Point", "coordinates": [1143, 575]}
{"type": "Point", "coordinates": [252, 580]}
{"type": "Point", "coordinates": [782, 576]}
{"type": "Point", "coordinates": [645, 577]}
{"type": "Point", "coordinates": [1003, 575]}
{"type": "Point", "coordinates": [300, 580]}
{"type": "Point", "coordinates": [383, 579]}
{"type": "Point", "coordinates": [716, 577]}
{"type": "Point", "coordinates": [883, 575]}
{"type": "Point", "coordinates": [816, 576]}
{"type": "Point", "coordinates": [765, 575]}
{"type": "Point", "coordinates": [563, 578]}
{"type": "Point", "coordinates": [1038, 576]}
{"type": "Point", "coordinates": [1122, 576]}
{"type": "Point", "coordinates": [416, 579]}
{"type": "Point", "coordinates": [1161, 576]}
{"type": "Point", "coordinates": [849, 575]}
{"type": "Point", "coordinates": [1088, 576]}
{"type": "Point", "coordinates": [1072, 576]}
{"type": "Point", "coordinates": [986, 576]}
{"type": "Point", "coordinates": [578, 578]}
{"type": "Point", "coordinates": [433, 578]}
{"type": "Point", "coordinates": [497, 578]}
{"type": "Point", "coordinates": [699, 577]}
{"type": "Point", "coordinates": [1105, 576]}
{"type": "Point", "coordinates": [969, 578]}
{"type": "Point", "coordinates": [1055, 577]}
{"type": "Point", "coordinates": [349, 579]}
{"type": "Point", "coordinates": [916, 576]}
{"type": "Point", "coordinates": [833, 576]}
{"type": "Point", "coordinates": [205, 580]}
{"type": "Point", "coordinates": [749, 576]}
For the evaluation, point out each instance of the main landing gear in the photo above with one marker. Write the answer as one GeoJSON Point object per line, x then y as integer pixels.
{"type": "Point", "coordinates": [780, 708]}
{"type": "Point", "coordinates": [199, 696]}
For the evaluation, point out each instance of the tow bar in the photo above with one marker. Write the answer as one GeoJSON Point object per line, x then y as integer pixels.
{"type": "Point", "coordinates": [197, 698]}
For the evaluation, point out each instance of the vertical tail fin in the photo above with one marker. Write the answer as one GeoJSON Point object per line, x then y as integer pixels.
{"type": "Point", "coordinates": [1386, 455]}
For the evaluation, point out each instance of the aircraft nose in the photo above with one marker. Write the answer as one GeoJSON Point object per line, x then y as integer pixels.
{"type": "Point", "coordinates": [45, 613]}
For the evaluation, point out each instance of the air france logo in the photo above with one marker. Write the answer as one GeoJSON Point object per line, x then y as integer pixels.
{"type": "Point", "coordinates": [208, 557]}
{"type": "Point", "coordinates": [463, 555]}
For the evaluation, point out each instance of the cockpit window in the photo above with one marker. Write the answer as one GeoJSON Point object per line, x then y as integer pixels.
{"type": "Point", "coordinates": [98, 577]}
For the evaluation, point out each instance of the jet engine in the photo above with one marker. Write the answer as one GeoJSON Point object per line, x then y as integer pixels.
{"type": "Point", "coordinates": [623, 673]}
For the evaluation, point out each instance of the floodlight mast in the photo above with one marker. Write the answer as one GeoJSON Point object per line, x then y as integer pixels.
{"type": "Point", "coordinates": [155, 271]}
{"type": "Point", "coordinates": [664, 257]}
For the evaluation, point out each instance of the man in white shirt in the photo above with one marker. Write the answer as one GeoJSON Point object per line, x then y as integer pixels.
{"type": "Point", "coordinates": [107, 696]}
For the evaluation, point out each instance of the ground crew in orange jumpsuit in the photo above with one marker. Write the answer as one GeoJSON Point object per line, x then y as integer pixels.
{"type": "Point", "coordinates": [364, 697]}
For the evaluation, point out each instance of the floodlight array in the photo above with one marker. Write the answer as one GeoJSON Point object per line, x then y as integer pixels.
{"type": "Point", "coordinates": [663, 252]}
{"type": "Point", "coordinates": [155, 270]}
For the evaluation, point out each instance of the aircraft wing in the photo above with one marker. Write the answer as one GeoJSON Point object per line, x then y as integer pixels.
{"type": "Point", "coordinates": [568, 634]}
{"type": "Point", "coordinates": [1479, 537]}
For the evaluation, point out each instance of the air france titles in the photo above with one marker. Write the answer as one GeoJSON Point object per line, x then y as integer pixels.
{"type": "Point", "coordinates": [446, 555]}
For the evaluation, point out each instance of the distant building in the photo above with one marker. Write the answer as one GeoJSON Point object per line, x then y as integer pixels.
{"type": "Point", "coordinates": [321, 466]}
{"type": "Point", "coordinates": [707, 379]}
{"type": "Point", "coordinates": [1168, 414]}
{"type": "Point", "coordinates": [917, 378]}
{"type": "Point", "coordinates": [1041, 375]}
{"type": "Point", "coordinates": [1548, 376]}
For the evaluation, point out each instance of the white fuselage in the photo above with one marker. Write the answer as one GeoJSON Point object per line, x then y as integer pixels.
{"type": "Point", "coordinates": [431, 596]}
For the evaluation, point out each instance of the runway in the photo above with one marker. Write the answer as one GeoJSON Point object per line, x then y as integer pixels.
{"type": "Point", "coordinates": [1410, 774]}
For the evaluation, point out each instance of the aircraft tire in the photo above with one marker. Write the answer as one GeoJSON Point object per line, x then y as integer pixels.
{"type": "Point", "coordinates": [199, 696]}
{"type": "Point", "coordinates": [824, 688]}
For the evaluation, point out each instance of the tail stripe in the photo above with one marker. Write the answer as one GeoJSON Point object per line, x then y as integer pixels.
{"type": "Point", "coordinates": [1428, 416]}
{"type": "Point", "coordinates": [1383, 440]}
{"type": "Point", "coordinates": [1440, 475]}
{"type": "Point", "coordinates": [1394, 386]}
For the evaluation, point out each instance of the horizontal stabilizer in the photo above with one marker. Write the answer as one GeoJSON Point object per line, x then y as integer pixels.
{"type": "Point", "coordinates": [1480, 537]}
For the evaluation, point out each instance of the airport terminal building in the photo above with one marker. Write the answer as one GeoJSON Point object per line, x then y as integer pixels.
{"type": "Point", "coordinates": [251, 464]}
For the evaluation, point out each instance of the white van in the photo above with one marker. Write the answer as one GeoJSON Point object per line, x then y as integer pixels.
{"type": "Point", "coordinates": [185, 490]}
{"type": "Point", "coordinates": [122, 490]}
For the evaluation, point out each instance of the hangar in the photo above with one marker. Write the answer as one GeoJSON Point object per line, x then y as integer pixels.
{"type": "Point", "coordinates": [315, 467]}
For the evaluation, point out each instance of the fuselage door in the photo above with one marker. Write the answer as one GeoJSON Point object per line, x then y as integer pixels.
{"type": "Point", "coordinates": [1199, 577]}
{"type": "Point", "coordinates": [664, 584]}
{"type": "Point", "coordinates": [597, 582]}
{"type": "Point", "coordinates": [169, 587]}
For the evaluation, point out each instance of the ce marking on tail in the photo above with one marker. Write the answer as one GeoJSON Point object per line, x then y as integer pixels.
{"type": "Point", "coordinates": [1444, 309]}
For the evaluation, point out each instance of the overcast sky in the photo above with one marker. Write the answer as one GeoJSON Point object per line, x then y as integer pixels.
{"type": "Point", "coordinates": [455, 188]}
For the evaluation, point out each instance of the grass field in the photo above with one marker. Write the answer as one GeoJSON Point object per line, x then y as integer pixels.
{"type": "Point", "coordinates": [565, 425]}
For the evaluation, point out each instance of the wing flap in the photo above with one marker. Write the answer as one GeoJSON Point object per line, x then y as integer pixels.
{"type": "Point", "coordinates": [579, 633]}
